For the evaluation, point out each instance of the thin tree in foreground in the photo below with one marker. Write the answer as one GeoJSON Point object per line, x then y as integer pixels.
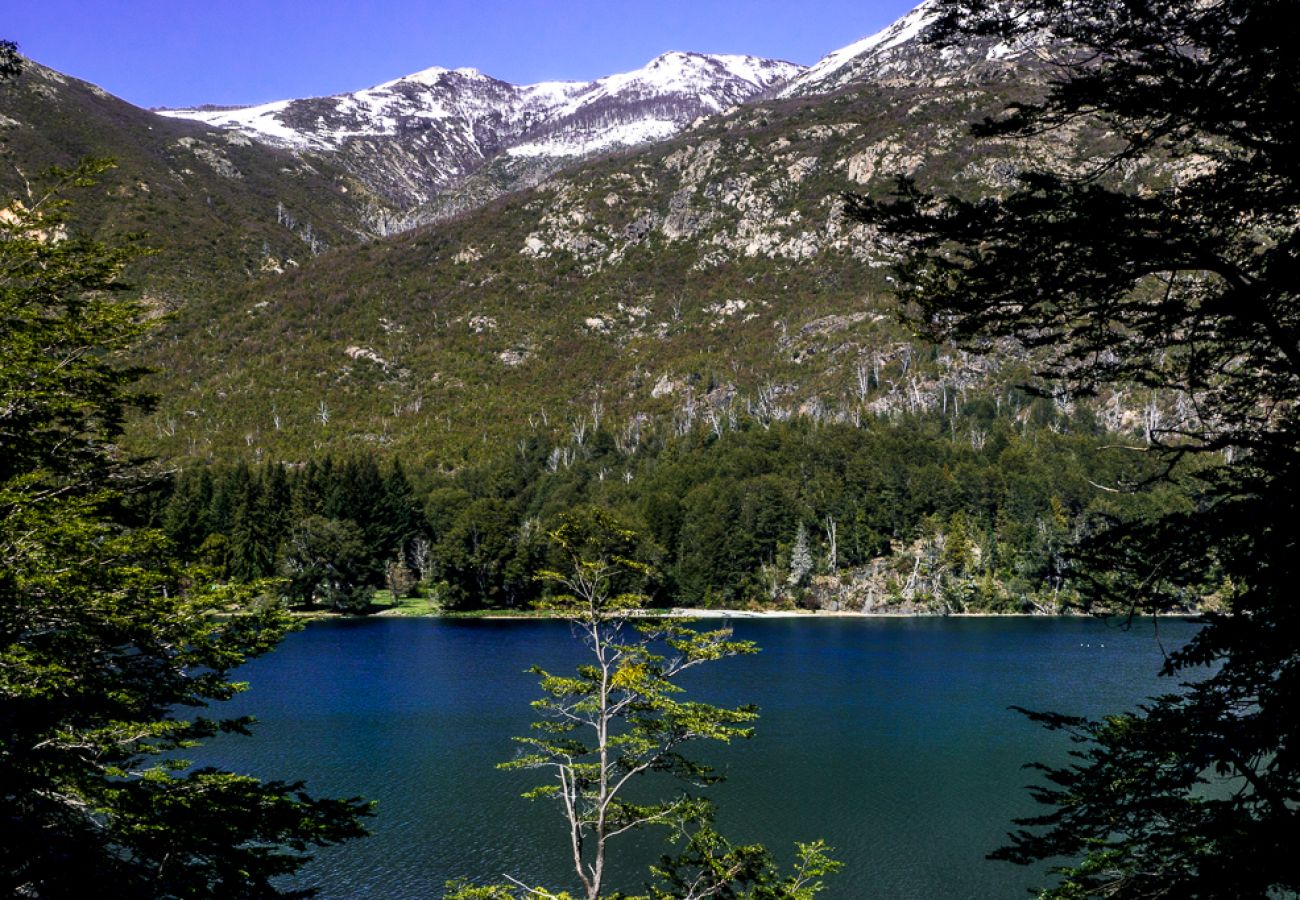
{"type": "Point", "coordinates": [621, 717]}
{"type": "Point", "coordinates": [108, 651]}
{"type": "Point", "coordinates": [1171, 264]}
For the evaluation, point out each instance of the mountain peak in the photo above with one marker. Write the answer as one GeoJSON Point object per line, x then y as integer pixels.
{"type": "Point", "coordinates": [673, 56]}
{"type": "Point", "coordinates": [838, 68]}
{"type": "Point", "coordinates": [411, 137]}
{"type": "Point", "coordinates": [899, 53]}
{"type": "Point", "coordinates": [431, 76]}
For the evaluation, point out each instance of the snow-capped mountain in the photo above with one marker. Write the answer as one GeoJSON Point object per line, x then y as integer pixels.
{"type": "Point", "coordinates": [440, 141]}
{"type": "Point", "coordinates": [898, 54]}
{"type": "Point", "coordinates": [412, 137]}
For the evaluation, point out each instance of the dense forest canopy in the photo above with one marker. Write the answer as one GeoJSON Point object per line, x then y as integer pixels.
{"type": "Point", "coordinates": [762, 515]}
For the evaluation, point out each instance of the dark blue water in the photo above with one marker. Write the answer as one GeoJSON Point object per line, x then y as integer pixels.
{"type": "Point", "coordinates": [890, 738]}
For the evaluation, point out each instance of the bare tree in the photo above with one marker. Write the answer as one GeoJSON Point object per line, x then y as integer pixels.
{"type": "Point", "coordinates": [419, 553]}
{"type": "Point", "coordinates": [832, 552]}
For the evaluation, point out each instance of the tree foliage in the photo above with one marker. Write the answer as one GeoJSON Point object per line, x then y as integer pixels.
{"type": "Point", "coordinates": [11, 65]}
{"type": "Point", "coordinates": [1181, 277]}
{"type": "Point", "coordinates": [710, 866]}
{"type": "Point", "coordinates": [108, 650]}
{"type": "Point", "coordinates": [324, 562]}
{"type": "Point", "coordinates": [333, 530]}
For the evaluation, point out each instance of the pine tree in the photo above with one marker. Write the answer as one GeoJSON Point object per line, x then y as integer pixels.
{"type": "Point", "coordinates": [356, 495]}
{"type": "Point", "coordinates": [185, 515]}
{"type": "Point", "coordinates": [309, 490]}
{"type": "Point", "coordinates": [228, 489]}
{"type": "Point", "coordinates": [399, 513]}
{"type": "Point", "coordinates": [252, 535]}
{"type": "Point", "coordinates": [277, 499]}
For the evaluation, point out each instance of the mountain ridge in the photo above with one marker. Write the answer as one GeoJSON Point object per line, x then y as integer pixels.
{"type": "Point", "coordinates": [711, 278]}
{"type": "Point", "coordinates": [438, 141]}
{"type": "Point", "coordinates": [709, 275]}
{"type": "Point", "coordinates": [217, 206]}
{"type": "Point", "coordinates": [412, 137]}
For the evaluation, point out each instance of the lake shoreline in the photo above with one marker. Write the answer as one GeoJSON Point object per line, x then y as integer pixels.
{"type": "Point", "coordinates": [696, 613]}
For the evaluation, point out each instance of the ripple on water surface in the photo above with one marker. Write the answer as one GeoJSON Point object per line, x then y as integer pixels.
{"type": "Point", "coordinates": [890, 738]}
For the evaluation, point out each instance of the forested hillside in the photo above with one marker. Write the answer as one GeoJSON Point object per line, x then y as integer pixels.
{"type": "Point", "coordinates": [678, 332]}
{"type": "Point", "coordinates": [712, 277]}
{"type": "Point", "coordinates": [216, 208]}
{"type": "Point", "coordinates": [900, 516]}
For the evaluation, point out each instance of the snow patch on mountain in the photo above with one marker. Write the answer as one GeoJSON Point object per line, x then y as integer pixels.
{"type": "Point", "coordinates": [413, 139]}
{"type": "Point", "coordinates": [642, 131]}
{"type": "Point", "coordinates": [495, 115]}
{"type": "Point", "coordinates": [899, 54]}
{"type": "Point", "coordinates": [843, 66]}
{"type": "Point", "coordinates": [835, 69]}
{"type": "Point", "coordinates": [262, 121]}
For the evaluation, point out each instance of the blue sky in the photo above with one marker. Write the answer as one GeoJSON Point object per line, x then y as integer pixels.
{"type": "Point", "coordinates": [184, 52]}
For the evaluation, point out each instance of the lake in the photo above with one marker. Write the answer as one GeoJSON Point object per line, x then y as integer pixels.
{"type": "Point", "coordinates": [890, 738]}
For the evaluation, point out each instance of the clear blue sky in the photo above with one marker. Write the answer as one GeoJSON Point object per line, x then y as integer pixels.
{"type": "Point", "coordinates": [185, 52]}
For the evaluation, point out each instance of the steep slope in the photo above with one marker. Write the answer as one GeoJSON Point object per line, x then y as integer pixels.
{"type": "Point", "coordinates": [412, 138]}
{"type": "Point", "coordinates": [217, 206]}
{"type": "Point", "coordinates": [706, 278]}
{"type": "Point", "coordinates": [898, 55]}
{"type": "Point", "coordinates": [682, 284]}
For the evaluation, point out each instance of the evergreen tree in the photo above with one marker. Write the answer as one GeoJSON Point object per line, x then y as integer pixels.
{"type": "Point", "coordinates": [309, 490]}
{"type": "Point", "coordinates": [1186, 285]}
{"type": "Point", "coordinates": [185, 514]}
{"type": "Point", "coordinates": [252, 536]}
{"type": "Point", "coordinates": [106, 648]}
{"type": "Point", "coordinates": [277, 499]}
{"type": "Point", "coordinates": [399, 514]}
{"type": "Point", "coordinates": [228, 491]}
{"type": "Point", "coordinates": [357, 495]}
